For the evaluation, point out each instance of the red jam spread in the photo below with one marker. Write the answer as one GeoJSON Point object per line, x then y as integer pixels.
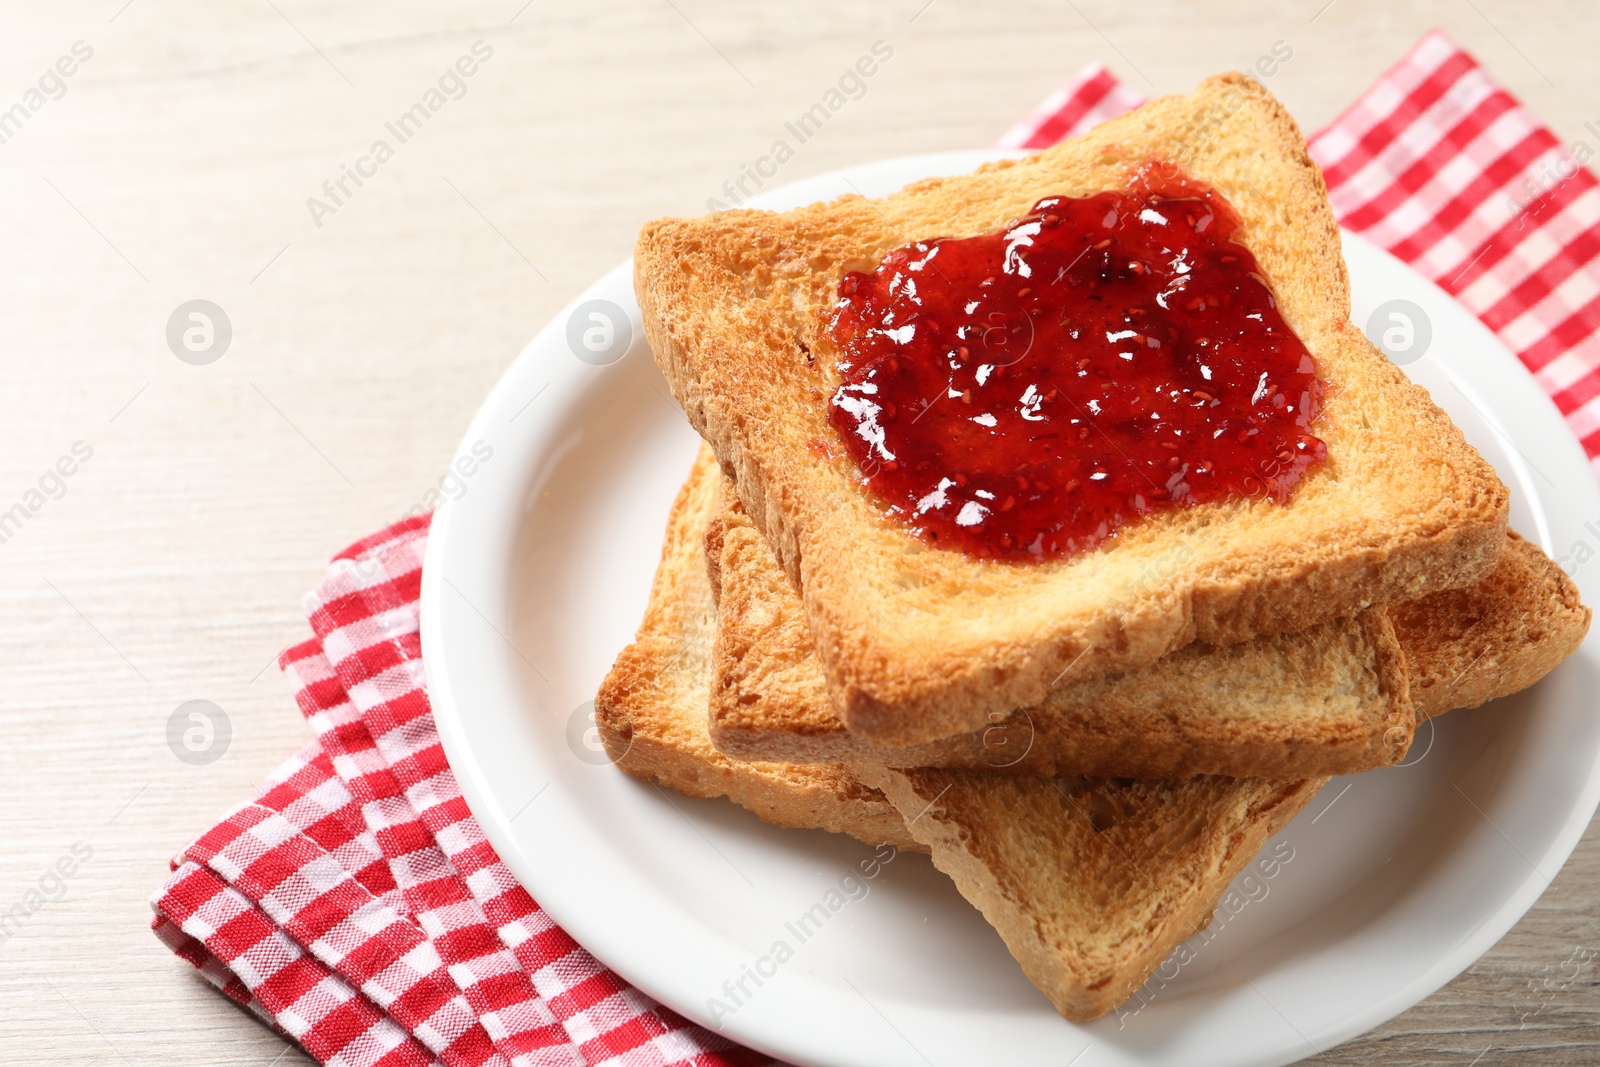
{"type": "Point", "coordinates": [1024, 393]}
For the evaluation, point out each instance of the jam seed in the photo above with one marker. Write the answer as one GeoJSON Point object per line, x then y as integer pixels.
{"type": "Point", "coordinates": [1103, 245]}
{"type": "Point", "coordinates": [1008, 503]}
{"type": "Point", "coordinates": [1203, 396]}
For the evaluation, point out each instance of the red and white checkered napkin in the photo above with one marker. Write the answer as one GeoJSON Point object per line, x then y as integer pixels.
{"type": "Point", "coordinates": [354, 903]}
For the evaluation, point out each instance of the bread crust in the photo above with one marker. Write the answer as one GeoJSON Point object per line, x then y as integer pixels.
{"type": "Point", "coordinates": [651, 708]}
{"type": "Point", "coordinates": [1464, 647]}
{"type": "Point", "coordinates": [920, 643]}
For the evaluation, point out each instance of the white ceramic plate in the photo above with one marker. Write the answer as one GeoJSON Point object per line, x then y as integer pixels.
{"type": "Point", "coordinates": [1399, 879]}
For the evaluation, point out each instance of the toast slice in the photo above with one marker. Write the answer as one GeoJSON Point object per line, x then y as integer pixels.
{"type": "Point", "coordinates": [1330, 700]}
{"type": "Point", "coordinates": [1091, 882]}
{"type": "Point", "coordinates": [920, 643]}
{"type": "Point", "coordinates": [1465, 647]}
{"type": "Point", "coordinates": [1321, 702]}
{"type": "Point", "coordinates": [651, 708]}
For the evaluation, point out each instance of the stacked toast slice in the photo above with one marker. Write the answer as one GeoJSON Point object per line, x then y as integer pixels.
{"type": "Point", "coordinates": [1091, 880]}
{"type": "Point", "coordinates": [651, 711]}
{"type": "Point", "coordinates": [1092, 742]}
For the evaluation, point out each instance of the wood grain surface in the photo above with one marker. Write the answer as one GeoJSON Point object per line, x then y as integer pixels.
{"type": "Point", "coordinates": [176, 163]}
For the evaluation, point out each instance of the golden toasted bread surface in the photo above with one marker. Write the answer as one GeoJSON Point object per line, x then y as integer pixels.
{"type": "Point", "coordinates": [1090, 882]}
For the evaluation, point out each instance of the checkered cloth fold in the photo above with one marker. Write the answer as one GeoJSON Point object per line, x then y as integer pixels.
{"type": "Point", "coordinates": [354, 904]}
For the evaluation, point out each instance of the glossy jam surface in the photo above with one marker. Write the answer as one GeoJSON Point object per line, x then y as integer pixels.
{"type": "Point", "coordinates": [1024, 393]}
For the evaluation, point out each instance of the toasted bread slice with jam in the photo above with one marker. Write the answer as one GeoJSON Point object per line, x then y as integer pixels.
{"type": "Point", "coordinates": [919, 643]}
{"type": "Point", "coordinates": [651, 709]}
{"type": "Point", "coordinates": [1320, 702]}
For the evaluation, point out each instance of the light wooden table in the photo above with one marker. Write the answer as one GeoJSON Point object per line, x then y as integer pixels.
{"type": "Point", "coordinates": [177, 165]}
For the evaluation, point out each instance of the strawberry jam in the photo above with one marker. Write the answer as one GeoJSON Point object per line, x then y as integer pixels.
{"type": "Point", "coordinates": [1024, 393]}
